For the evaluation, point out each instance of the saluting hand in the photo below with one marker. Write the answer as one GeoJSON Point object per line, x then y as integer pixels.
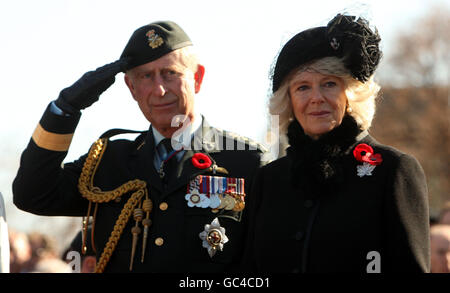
{"type": "Point", "coordinates": [87, 90]}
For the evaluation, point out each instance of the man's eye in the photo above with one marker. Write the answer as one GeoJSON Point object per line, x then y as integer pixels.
{"type": "Point", "coordinates": [171, 73]}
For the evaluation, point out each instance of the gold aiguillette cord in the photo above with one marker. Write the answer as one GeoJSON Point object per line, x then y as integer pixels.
{"type": "Point", "coordinates": [147, 206]}
{"type": "Point", "coordinates": [94, 194]}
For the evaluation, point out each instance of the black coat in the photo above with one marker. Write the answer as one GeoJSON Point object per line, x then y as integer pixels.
{"type": "Point", "coordinates": [43, 187]}
{"type": "Point", "coordinates": [304, 222]}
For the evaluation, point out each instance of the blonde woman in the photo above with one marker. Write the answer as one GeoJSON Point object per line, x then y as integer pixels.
{"type": "Point", "coordinates": [339, 201]}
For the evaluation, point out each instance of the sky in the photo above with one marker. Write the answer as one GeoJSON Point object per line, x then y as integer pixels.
{"type": "Point", "coordinates": [47, 45]}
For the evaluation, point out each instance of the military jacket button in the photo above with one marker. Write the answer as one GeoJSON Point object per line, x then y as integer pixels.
{"type": "Point", "coordinates": [159, 241]}
{"type": "Point", "coordinates": [163, 206]}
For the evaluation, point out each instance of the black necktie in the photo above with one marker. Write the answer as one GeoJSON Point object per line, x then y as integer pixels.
{"type": "Point", "coordinates": [168, 161]}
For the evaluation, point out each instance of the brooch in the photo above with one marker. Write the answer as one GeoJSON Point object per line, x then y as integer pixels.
{"type": "Point", "coordinates": [334, 44]}
{"type": "Point", "coordinates": [213, 237]}
{"type": "Point", "coordinates": [364, 153]}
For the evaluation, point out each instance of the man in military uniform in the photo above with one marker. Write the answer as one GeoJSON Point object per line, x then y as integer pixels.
{"type": "Point", "coordinates": [172, 200]}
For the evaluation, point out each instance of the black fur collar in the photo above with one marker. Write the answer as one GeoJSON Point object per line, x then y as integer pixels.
{"type": "Point", "coordinates": [316, 165]}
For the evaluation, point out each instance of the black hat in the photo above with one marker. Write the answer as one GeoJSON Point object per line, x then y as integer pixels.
{"type": "Point", "coordinates": [153, 41]}
{"type": "Point", "coordinates": [343, 37]}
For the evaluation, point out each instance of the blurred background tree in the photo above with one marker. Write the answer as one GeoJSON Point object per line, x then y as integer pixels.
{"type": "Point", "coordinates": [420, 56]}
{"type": "Point", "coordinates": [413, 110]}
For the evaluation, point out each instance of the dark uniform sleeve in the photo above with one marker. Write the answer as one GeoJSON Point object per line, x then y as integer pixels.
{"type": "Point", "coordinates": [41, 185]}
{"type": "Point", "coordinates": [407, 219]}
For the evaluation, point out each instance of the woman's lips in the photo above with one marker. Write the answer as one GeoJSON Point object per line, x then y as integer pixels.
{"type": "Point", "coordinates": [319, 113]}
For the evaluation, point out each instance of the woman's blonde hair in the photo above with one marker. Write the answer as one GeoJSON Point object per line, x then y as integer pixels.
{"type": "Point", "coordinates": [360, 96]}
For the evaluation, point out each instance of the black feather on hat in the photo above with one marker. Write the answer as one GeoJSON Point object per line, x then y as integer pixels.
{"type": "Point", "coordinates": [343, 37]}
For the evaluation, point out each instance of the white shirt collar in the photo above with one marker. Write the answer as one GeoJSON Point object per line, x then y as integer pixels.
{"type": "Point", "coordinates": [185, 136]}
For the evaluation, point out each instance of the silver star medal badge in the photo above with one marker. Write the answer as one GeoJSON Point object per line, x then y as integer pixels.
{"type": "Point", "coordinates": [365, 169]}
{"type": "Point", "coordinates": [213, 237]}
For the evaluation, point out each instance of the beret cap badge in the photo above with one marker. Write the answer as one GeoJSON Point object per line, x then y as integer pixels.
{"type": "Point", "coordinates": [154, 40]}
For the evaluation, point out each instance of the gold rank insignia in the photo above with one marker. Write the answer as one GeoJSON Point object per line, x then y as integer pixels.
{"type": "Point", "coordinates": [154, 40]}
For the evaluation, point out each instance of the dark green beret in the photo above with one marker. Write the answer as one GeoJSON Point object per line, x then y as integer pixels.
{"type": "Point", "coordinates": [344, 37]}
{"type": "Point", "coordinates": [153, 41]}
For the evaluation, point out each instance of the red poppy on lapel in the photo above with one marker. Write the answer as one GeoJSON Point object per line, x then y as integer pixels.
{"type": "Point", "coordinates": [201, 161]}
{"type": "Point", "coordinates": [364, 153]}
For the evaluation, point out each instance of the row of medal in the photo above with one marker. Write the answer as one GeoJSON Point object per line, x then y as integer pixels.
{"type": "Point", "coordinates": [217, 193]}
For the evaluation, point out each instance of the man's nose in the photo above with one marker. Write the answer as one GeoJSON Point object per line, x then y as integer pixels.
{"type": "Point", "coordinates": [159, 88]}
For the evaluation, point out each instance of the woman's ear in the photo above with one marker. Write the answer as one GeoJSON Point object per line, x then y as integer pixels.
{"type": "Point", "coordinates": [348, 108]}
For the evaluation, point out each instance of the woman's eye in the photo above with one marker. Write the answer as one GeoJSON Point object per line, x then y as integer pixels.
{"type": "Point", "coordinates": [302, 88]}
{"type": "Point", "coordinates": [330, 84]}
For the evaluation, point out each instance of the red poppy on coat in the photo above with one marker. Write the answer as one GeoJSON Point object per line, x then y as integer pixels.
{"type": "Point", "coordinates": [364, 153]}
{"type": "Point", "coordinates": [201, 161]}
{"type": "Point", "coordinates": [375, 159]}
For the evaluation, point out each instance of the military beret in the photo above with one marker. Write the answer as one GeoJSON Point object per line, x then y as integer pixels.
{"type": "Point", "coordinates": [153, 41]}
{"type": "Point", "coordinates": [344, 37]}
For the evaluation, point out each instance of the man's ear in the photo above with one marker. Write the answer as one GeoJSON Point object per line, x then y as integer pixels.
{"type": "Point", "coordinates": [199, 77]}
{"type": "Point", "coordinates": [129, 84]}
